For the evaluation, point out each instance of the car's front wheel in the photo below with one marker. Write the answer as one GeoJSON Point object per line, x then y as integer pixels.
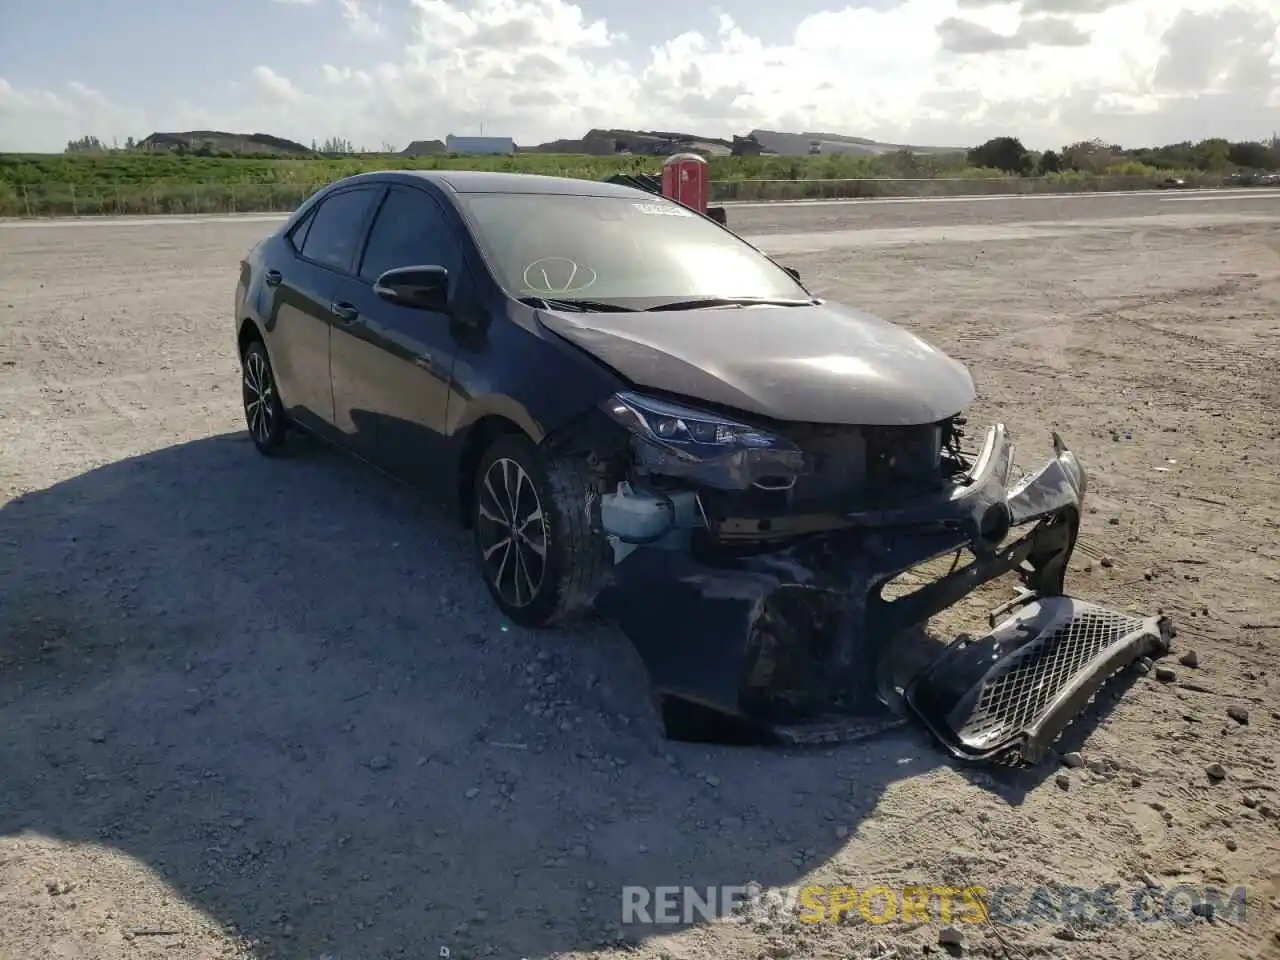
{"type": "Point", "coordinates": [538, 541]}
{"type": "Point", "coordinates": [263, 412]}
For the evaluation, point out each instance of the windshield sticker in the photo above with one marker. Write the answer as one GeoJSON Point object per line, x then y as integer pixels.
{"type": "Point", "coordinates": [558, 276]}
{"type": "Point", "coordinates": [663, 210]}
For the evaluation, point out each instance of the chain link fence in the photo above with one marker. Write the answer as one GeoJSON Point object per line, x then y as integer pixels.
{"type": "Point", "coordinates": [123, 199]}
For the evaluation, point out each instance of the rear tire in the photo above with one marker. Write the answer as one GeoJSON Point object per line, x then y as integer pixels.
{"type": "Point", "coordinates": [536, 526]}
{"type": "Point", "coordinates": [263, 412]}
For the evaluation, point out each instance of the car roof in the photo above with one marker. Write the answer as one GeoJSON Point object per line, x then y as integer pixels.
{"type": "Point", "coordinates": [484, 181]}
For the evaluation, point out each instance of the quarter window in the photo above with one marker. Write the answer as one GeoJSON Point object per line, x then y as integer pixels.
{"type": "Point", "coordinates": [298, 235]}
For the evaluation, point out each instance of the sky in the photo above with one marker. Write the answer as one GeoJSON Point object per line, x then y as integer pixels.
{"type": "Point", "coordinates": [386, 72]}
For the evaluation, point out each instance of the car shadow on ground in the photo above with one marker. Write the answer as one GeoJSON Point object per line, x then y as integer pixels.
{"type": "Point", "coordinates": [279, 685]}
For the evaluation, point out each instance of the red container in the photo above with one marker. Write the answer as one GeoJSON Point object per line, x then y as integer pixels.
{"type": "Point", "coordinates": [685, 180]}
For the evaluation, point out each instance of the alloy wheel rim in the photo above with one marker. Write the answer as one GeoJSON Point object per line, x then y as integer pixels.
{"type": "Point", "coordinates": [259, 394]}
{"type": "Point", "coordinates": [512, 532]}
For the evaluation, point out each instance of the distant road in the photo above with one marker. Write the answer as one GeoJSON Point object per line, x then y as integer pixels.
{"type": "Point", "coordinates": [791, 216]}
{"type": "Point", "coordinates": [890, 213]}
{"type": "Point", "coordinates": [997, 197]}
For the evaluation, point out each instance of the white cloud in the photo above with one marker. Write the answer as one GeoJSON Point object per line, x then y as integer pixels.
{"type": "Point", "coordinates": [923, 71]}
{"type": "Point", "coordinates": [347, 77]}
{"type": "Point", "coordinates": [274, 88]}
{"type": "Point", "coordinates": [361, 22]}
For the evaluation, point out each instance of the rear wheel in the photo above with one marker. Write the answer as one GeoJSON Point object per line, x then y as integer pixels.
{"type": "Point", "coordinates": [263, 412]}
{"type": "Point", "coordinates": [538, 540]}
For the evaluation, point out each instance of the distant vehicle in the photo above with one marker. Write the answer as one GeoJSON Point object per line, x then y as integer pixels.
{"type": "Point", "coordinates": [1172, 183]}
{"type": "Point", "coordinates": [1254, 178]}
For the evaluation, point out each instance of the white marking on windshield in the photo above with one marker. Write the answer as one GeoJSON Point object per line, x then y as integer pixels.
{"type": "Point", "coordinates": [663, 210]}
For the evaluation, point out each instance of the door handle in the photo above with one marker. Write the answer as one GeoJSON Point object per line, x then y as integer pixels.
{"type": "Point", "coordinates": [273, 278]}
{"type": "Point", "coordinates": [344, 313]}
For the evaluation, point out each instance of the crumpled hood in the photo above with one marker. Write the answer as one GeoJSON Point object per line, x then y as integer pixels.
{"type": "Point", "coordinates": [813, 364]}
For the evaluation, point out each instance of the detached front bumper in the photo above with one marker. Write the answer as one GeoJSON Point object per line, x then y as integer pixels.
{"type": "Point", "coordinates": [787, 646]}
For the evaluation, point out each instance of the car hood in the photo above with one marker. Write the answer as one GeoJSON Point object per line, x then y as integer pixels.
{"type": "Point", "coordinates": [823, 363]}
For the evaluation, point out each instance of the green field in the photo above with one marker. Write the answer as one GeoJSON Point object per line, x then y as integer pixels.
{"type": "Point", "coordinates": [153, 183]}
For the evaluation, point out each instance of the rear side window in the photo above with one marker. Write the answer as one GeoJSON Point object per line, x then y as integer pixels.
{"type": "Point", "coordinates": [410, 231]}
{"type": "Point", "coordinates": [334, 234]}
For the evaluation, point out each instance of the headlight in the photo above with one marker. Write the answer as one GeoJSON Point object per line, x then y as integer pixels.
{"type": "Point", "coordinates": [692, 434]}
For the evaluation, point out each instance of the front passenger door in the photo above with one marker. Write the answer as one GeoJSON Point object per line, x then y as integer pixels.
{"type": "Point", "coordinates": [391, 365]}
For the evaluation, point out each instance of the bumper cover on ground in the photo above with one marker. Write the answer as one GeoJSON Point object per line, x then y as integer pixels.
{"type": "Point", "coordinates": [786, 646]}
{"type": "Point", "coordinates": [1007, 696]}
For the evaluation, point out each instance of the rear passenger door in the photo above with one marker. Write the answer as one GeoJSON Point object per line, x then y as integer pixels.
{"type": "Point", "coordinates": [391, 364]}
{"type": "Point", "coordinates": [323, 248]}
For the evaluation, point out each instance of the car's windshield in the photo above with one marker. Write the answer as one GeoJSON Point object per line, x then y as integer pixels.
{"type": "Point", "coordinates": [621, 250]}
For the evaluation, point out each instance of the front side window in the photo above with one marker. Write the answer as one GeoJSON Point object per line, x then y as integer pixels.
{"type": "Point", "coordinates": [335, 228]}
{"type": "Point", "coordinates": [409, 231]}
{"type": "Point", "coordinates": [618, 250]}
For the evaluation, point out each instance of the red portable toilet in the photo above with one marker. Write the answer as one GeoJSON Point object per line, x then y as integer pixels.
{"type": "Point", "coordinates": [685, 180]}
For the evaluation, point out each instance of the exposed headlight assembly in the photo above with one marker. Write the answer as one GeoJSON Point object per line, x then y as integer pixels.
{"type": "Point", "coordinates": [678, 439]}
{"type": "Point", "coordinates": [693, 433]}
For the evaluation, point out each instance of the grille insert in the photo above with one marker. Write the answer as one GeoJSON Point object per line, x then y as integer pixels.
{"type": "Point", "coordinates": [1007, 696]}
{"type": "Point", "coordinates": [1018, 690]}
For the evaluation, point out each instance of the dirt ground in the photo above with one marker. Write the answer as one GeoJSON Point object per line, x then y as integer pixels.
{"type": "Point", "coordinates": [264, 709]}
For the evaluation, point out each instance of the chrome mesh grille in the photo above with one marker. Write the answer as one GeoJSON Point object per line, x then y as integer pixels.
{"type": "Point", "coordinates": [1015, 696]}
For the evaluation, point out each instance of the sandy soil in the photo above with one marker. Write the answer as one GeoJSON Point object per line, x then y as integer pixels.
{"type": "Point", "coordinates": [263, 709]}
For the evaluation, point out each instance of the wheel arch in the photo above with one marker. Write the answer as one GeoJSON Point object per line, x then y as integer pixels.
{"type": "Point", "coordinates": [248, 333]}
{"type": "Point", "coordinates": [480, 436]}
{"type": "Point", "coordinates": [576, 554]}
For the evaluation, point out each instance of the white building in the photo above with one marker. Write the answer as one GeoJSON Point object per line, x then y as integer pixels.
{"type": "Point", "coordinates": [480, 145]}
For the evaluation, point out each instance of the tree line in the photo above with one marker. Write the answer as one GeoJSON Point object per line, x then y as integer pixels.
{"type": "Point", "coordinates": [339, 146]}
{"type": "Point", "coordinates": [1215, 155]}
{"type": "Point", "coordinates": [1005, 154]}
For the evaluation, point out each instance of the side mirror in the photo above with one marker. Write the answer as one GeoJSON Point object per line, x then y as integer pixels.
{"type": "Point", "coordinates": [421, 288]}
{"type": "Point", "coordinates": [793, 273]}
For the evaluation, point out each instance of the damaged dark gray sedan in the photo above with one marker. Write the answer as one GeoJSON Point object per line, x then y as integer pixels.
{"type": "Point", "coordinates": [637, 411]}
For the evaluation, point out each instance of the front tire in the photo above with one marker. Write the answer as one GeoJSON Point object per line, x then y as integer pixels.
{"type": "Point", "coordinates": [536, 526]}
{"type": "Point", "coordinates": [263, 412]}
